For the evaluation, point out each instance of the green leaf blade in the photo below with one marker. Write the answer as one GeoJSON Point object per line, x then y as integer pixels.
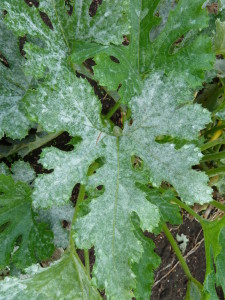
{"type": "Point", "coordinates": [18, 223]}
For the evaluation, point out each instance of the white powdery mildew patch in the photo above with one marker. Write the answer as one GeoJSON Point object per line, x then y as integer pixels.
{"type": "Point", "coordinates": [69, 168]}
{"type": "Point", "coordinates": [108, 225]}
{"type": "Point", "coordinates": [59, 281]}
{"type": "Point", "coordinates": [165, 108]}
{"type": "Point", "coordinates": [13, 122]}
{"type": "Point", "coordinates": [20, 171]}
{"type": "Point", "coordinates": [13, 85]}
{"type": "Point", "coordinates": [161, 110]}
{"type": "Point", "coordinates": [54, 217]}
{"type": "Point", "coordinates": [109, 24]}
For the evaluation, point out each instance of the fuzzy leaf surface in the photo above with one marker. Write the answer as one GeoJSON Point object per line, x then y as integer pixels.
{"type": "Point", "coordinates": [22, 240]}
{"type": "Point", "coordinates": [57, 103]}
{"type": "Point", "coordinates": [20, 171]}
{"type": "Point", "coordinates": [13, 86]}
{"type": "Point", "coordinates": [193, 55]}
{"type": "Point", "coordinates": [107, 26]}
{"type": "Point", "coordinates": [109, 214]}
{"type": "Point", "coordinates": [64, 279]}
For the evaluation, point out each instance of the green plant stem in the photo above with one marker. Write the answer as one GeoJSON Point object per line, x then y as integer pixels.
{"type": "Point", "coordinates": [180, 256]}
{"type": "Point", "coordinates": [80, 199]}
{"type": "Point", "coordinates": [213, 156]}
{"type": "Point", "coordinates": [215, 171]}
{"type": "Point", "coordinates": [218, 205]}
{"type": "Point", "coordinates": [76, 210]}
{"type": "Point", "coordinates": [113, 110]}
{"type": "Point", "coordinates": [189, 210]}
{"type": "Point", "coordinates": [24, 147]}
{"type": "Point", "coordinates": [87, 261]}
{"type": "Point", "coordinates": [212, 144]}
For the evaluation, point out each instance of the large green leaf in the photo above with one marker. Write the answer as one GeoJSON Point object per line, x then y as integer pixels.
{"type": "Point", "coordinates": [169, 212]}
{"type": "Point", "coordinates": [190, 59]}
{"type": "Point", "coordinates": [58, 101]}
{"type": "Point", "coordinates": [13, 85]}
{"type": "Point", "coordinates": [64, 279]}
{"type": "Point", "coordinates": [117, 66]}
{"type": "Point", "coordinates": [22, 240]}
{"type": "Point", "coordinates": [109, 214]}
{"type": "Point", "coordinates": [193, 55]}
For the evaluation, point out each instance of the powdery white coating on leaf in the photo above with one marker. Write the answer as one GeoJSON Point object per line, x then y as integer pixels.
{"type": "Point", "coordinates": [67, 103]}
{"type": "Point", "coordinates": [20, 171]}
{"type": "Point", "coordinates": [13, 85]}
{"type": "Point", "coordinates": [108, 225]}
{"type": "Point", "coordinates": [54, 217]}
{"type": "Point", "coordinates": [69, 168]}
{"type": "Point", "coordinates": [4, 169]}
{"type": "Point", "coordinates": [151, 118]}
{"type": "Point", "coordinates": [62, 101]}
{"type": "Point", "coordinates": [109, 24]}
{"type": "Point", "coordinates": [64, 279]}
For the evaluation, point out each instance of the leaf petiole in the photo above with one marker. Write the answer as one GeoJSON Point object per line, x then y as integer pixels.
{"type": "Point", "coordinates": [180, 256]}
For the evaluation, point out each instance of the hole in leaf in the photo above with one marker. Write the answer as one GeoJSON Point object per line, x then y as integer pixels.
{"type": "Point", "coordinates": [130, 122]}
{"type": "Point", "coordinates": [22, 41]}
{"type": "Point", "coordinates": [119, 86]}
{"type": "Point", "coordinates": [4, 226]}
{"type": "Point", "coordinates": [176, 45]}
{"type": "Point", "coordinates": [100, 187]}
{"type": "Point", "coordinates": [18, 241]}
{"type": "Point", "coordinates": [126, 41]}
{"type": "Point", "coordinates": [66, 224]}
{"type": "Point", "coordinates": [137, 162]}
{"type": "Point", "coordinates": [89, 64]}
{"type": "Point", "coordinates": [75, 193]}
{"type": "Point", "coordinates": [32, 2]}
{"type": "Point", "coordinates": [219, 292]}
{"type": "Point", "coordinates": [46, 20]}
{"type": "Point", "coordinates": [212, 8]}
{"type": "Point", "coordinates": [114, 59]}
{"type": "Point", "coordinates": [4, 61]}
{"type": "Point", "coordinates": [94, 7]}
{"type": "Point", "coordinates": [69, 6]}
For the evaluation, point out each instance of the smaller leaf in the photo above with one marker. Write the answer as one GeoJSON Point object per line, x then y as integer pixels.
{"type": "Point", "coordinates": [169, 212]}
{"type": "Point", "coordinates": [144, 269]}
{"type": "Point", "coordinates": [22, 240]}
{"type": "Point", "coordinates": [194, 292]}
{"type": "Point", "coordinates": [65, 279]}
